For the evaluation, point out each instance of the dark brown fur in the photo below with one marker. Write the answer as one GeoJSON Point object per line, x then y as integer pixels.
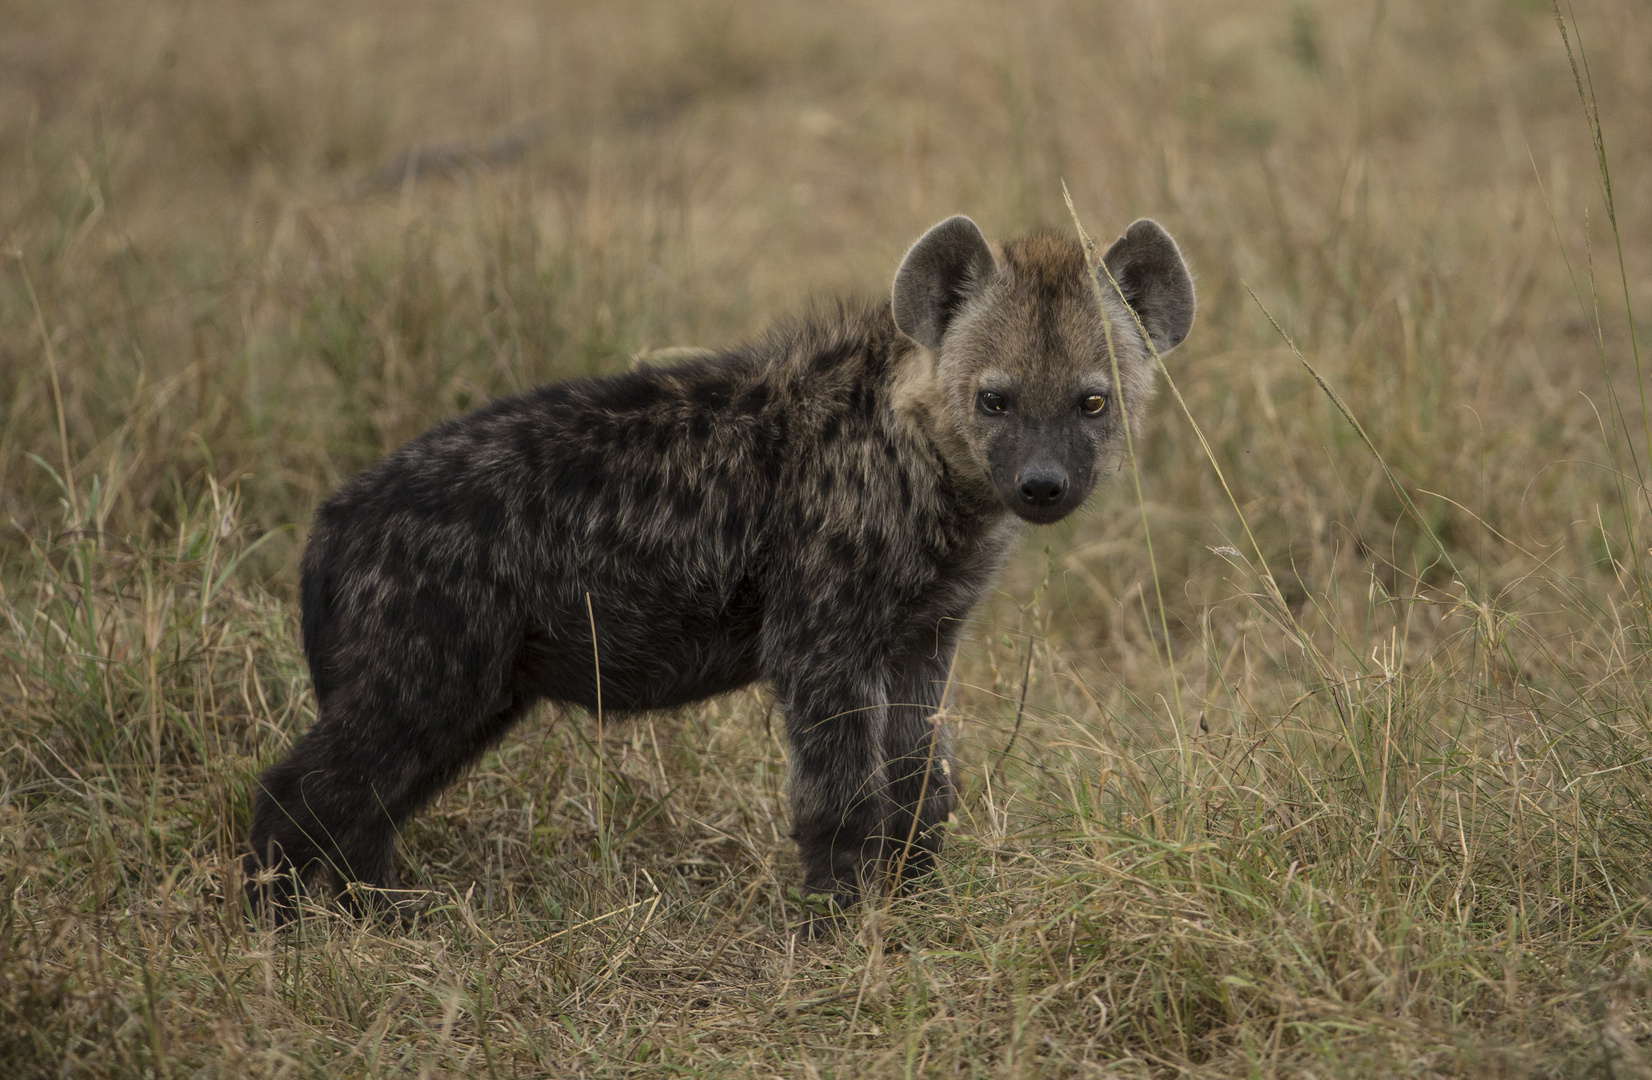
{"type": "Point", "coordinates": [819, 509]}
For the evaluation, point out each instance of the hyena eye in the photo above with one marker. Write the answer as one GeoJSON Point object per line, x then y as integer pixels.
{"type": "Point", "coordinates": [991, 402]}
{"type": "Point", "coordinates": [1093, 405]}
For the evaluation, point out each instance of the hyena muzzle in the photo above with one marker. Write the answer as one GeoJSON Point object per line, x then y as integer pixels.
{"type": "Point", "coordinates": [819, 509]}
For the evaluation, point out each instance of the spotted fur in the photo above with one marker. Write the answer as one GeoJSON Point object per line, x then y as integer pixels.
{"type": "Point", "coordinates": [819, 510]}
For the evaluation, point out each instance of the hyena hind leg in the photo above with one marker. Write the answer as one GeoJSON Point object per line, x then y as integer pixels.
{"type": "Point", "coordinates": [318, 824]}
{"type": "Point", "coordinates": [329, 812]}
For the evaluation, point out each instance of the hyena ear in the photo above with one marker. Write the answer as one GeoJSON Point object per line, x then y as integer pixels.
{"type": "Point", "coordinates": [1154, 280]}
{"type": "Point", "coordinates": [944, 268]}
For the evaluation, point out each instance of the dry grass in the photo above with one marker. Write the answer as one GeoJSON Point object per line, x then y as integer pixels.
{"type": "Point", "coordinates": [1339, 777]}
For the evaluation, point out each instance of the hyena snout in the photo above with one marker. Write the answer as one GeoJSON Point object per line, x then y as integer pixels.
{"type": "Point", "coordinates": [1042, 486]}
{"type": "Point", "coordinates": [1042, 472]}
{"type": "Point", "coordinates": [1044, 492]}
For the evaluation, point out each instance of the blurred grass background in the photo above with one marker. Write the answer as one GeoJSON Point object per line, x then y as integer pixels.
{"type": "Point", "coordinates": [1367, 796]}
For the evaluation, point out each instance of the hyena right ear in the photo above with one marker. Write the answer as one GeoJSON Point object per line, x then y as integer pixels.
{"type": "Point", "coordinates": [943, 269]}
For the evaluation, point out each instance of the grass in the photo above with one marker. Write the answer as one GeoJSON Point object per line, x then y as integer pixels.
{"type": "Point", "coordinates": [1348, 774]}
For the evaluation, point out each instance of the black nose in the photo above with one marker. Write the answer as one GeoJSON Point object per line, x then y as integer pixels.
{"type": "Point", "coordinates": [1043, 487]}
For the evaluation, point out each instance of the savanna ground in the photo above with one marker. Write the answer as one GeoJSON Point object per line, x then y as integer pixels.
{"type": "Point", "coordinates": [1275, 763]}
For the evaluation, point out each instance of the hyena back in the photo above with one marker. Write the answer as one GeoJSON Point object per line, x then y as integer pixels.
{"type": "Point", "coordinates": [819, 509]}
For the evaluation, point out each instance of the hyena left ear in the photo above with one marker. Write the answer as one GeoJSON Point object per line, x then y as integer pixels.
{"type": "Point", "coordinates": [944, 268]}
{"type": "Point", "coordinates": [1154, 280]}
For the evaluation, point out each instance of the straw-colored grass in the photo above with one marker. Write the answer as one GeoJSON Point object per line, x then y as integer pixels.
{"type": "Point", "coordinates": [1347, 773]}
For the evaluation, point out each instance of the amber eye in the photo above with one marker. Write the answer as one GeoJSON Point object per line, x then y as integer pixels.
{"type": "Point", "coordinates": [991, 402]}
{"type": "Point", "coordinates": [1094, 405]}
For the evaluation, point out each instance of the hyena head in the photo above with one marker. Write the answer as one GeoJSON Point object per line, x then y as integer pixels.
{"type": "Point", "coordinates": [1031, 382]}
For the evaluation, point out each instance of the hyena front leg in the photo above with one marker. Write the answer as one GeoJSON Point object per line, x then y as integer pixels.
{"type": "Point", "coordinates": [834, 723]}
{"type": "Point", "coordinates": [917, 751]}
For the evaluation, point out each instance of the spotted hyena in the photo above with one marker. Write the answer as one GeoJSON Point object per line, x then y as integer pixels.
{"type": "Point", "coordinates": [818, 509]}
